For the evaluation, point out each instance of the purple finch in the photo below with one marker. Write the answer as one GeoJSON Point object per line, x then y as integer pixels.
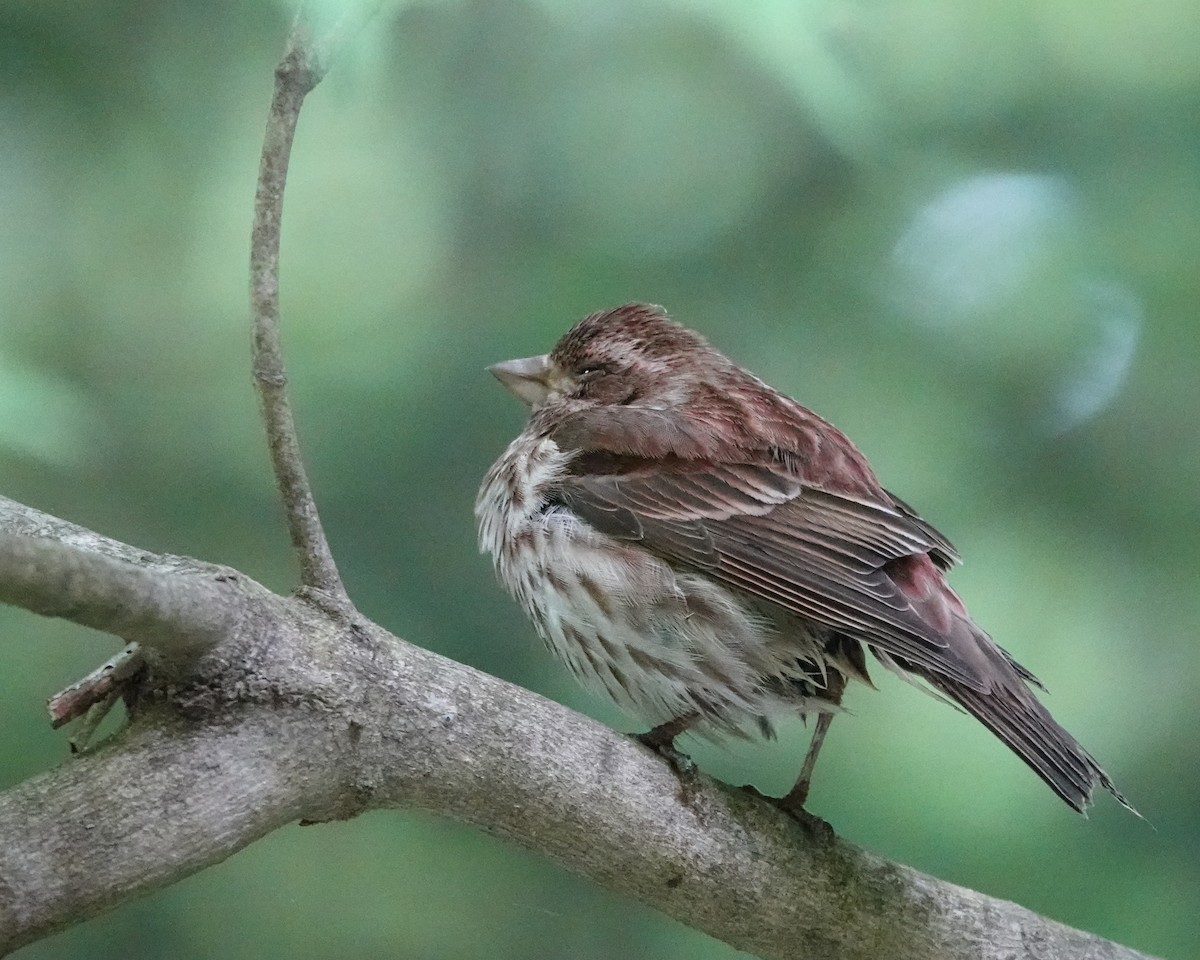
{"type": "Point", "coordinates": [712, 555]}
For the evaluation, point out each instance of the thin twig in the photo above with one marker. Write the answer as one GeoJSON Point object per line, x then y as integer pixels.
{"type": "Point", "coordinates": [100, 686]}
{"type": "Point", "coordinates": [300, 70]}
{"type": "Point", "coordinates": [92, 718]}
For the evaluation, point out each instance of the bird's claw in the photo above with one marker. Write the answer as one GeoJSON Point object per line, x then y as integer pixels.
{"type": "Point", "coordinates": [816, 827]}
{"type": "Point", "coordinates": [683, 765]}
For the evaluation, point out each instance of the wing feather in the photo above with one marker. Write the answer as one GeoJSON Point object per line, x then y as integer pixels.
{"type": "Point", "coordinates": [812, 551]}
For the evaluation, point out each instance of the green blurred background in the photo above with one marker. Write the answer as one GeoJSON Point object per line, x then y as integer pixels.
{"type": "Point", "coordinates": [969, 233]}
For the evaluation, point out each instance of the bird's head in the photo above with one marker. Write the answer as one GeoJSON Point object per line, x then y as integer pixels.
{"type": "Point", "coordinates": [627, 355]}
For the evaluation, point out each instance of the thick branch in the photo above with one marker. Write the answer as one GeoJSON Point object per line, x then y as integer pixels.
{"type": "Point", "coordinates": [169, 801]}
{"type": "Point", "coordinates": [304, 715]}
{"type": "Point", "coordinates": [182, 610]}
{"type": "Point", "coordinates": [30, 522]}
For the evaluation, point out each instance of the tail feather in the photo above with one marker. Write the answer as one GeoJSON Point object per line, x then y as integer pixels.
{"type": "Point", "coordinates": [1014, 714]}
{"type": "Point", "coordinates": [996, 690]}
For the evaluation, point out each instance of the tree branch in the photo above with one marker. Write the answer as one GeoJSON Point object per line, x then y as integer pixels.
{"type": "Point", "coordinates": [126, 820]}
{"type": "Point", "coordinates": [26, 521]}
{"type": "Point", "coordinates": [300, 70]}
{"type": "Point", "coordinates": [98, 690]}
{"type": "Point", "coordinates": [173, 607]}
{"type": "Point", "coordinates": [304, 715]}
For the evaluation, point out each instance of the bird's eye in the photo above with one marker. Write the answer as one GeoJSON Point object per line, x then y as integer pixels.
{"type": "Point", "coordinates": [593, 369]}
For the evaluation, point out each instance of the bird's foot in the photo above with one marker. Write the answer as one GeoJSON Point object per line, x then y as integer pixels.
{"type": "Point", "coordinates": [793, 806]}
{"type": "Point", "coordinates": [683, 765]}
{"type": "Point", "coordinates": [816, 827]}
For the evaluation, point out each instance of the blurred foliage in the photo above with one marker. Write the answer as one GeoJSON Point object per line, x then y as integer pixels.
{"type": "Point", "coordinates": [968, 233]}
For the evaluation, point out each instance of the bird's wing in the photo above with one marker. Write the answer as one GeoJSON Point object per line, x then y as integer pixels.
{"type": "Point", "coordinates": [761, 529]}
{"type": "Point", "coordinates": [942, 551]}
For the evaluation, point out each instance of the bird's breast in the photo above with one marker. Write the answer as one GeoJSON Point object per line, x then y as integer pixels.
{"type": "Point", "coordinates": [512, 503]}
{"type": "Point", "coordinates": [660, 641]}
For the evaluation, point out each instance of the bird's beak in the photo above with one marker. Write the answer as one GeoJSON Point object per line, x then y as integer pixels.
{"type": "Point", "coordinates": [530, 378]}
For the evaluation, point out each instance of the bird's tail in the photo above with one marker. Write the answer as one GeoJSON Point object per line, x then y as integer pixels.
{"type": "Point", "coordinates": [1007, 707]}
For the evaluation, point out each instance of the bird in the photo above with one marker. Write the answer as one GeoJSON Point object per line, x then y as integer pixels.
{"type": "Point", "coordinates": [714, 557]}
